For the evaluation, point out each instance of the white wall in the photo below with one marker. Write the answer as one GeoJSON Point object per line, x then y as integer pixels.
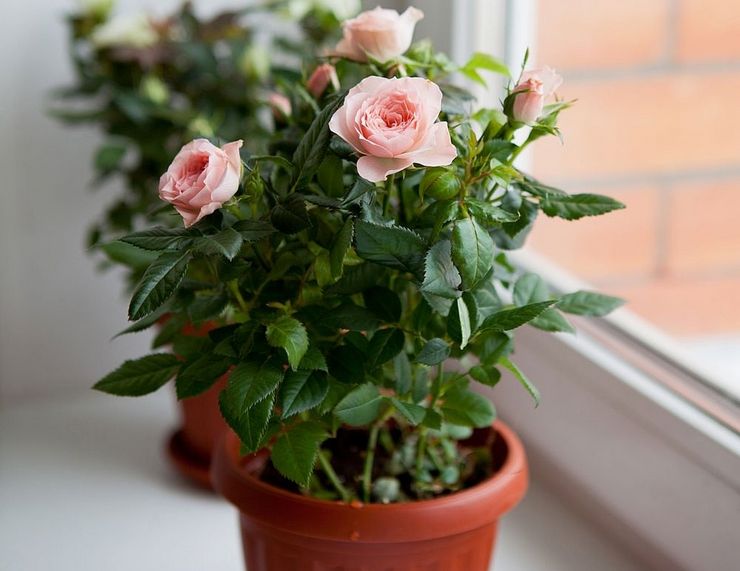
{"type": "Point", "coordinates": [57, 314]}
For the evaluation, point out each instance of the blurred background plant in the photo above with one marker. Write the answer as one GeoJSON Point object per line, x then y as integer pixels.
{"type": "Point", "coordinates": [151, 84]}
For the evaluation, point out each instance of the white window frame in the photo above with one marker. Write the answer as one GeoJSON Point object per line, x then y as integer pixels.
{"type": "Point", "coordinates": [626, 432]}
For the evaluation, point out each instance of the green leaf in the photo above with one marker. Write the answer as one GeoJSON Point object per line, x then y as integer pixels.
{"type": "Point", "coordinates": [384, 303]}
{"type": "Point", "coordinates": [347, 364]}
{"type": "Point", "coordinates": [250, 383]}
{"type": "Point", "coordinates": [199, 376]}
{"type": "Point", "coordinates": [313, 360]}
{"type": "Point", "coordinates": [530, 288]}
{"type": "Point", "coordinates": [361, 406]}
{"type": "Point", "coordinates": [575, 206]}
{"type": "Point", "coordinates": [499, 149]}
{"type": "Point", "coordinates": [353, 317]}
{"type": "Point", "coordinates": [330, 175]}
{"type": "Point", "coordinates": [472, 251]}
{"type": "Point", "coordinates": [402, 373]}
{"type": "Point", "coordinates": [486, 299]}
{"type": "Point", "coordinates": [360, 189]}
{"type": "Point", "coordinates": [144, 323]}
{"type": "Point", "coordinates": [251, 424]}
{"type": "Point", "coordinates": [492, 346]}
{"type": "Point", "coordinates": [489, 376]}
{"type": "Point", "coordinates": [290, 216]}
{"type": "Point", "coordinates": [302, 390]}
{"type": "Point", "coordinates": [589, 303]}
{"type": "Point", "coordinates": [553, 321]}
{"type": "Point", "coordinates": [391, 246]}
{"type": "Point", "coordinates": [253, 230]}
{"type": "Point", "coordinates": [441, 277]}
{"type": "Point", "coordinates": [160, 238]}
{"type": "Point", "coordinates": [207, 307]}
{"type": "Point", "coordinates": [434, 352]}
{"type": "Point", "coordinates": [159, 282]}
{"type": "Point", "coordinates": [414, 413]}
{"type": "Point", "coordinates": [227, 243]}
{"type": "Point", "coordinates": [384, 345]}
{"type": "Point", "coordinates": [295, 451]}
{"type": "Point", "coordinates": [480, 60]}
{"type": "Point", "coordinates": [523, 380]}
{"type": "Point", "coordinates": [512, 235]}
{"type": "Point", "coordinates": [489, 214]}
{"type": "Point", "coordinates": [289, 334]}
{"type": "Point", "coordinates": [128, 255]}
{"type": "Point", "coordinates": [458, 323]}
{"type": "Point", "coordinates": [465, 408]}
{"type": "Point", "coordinates": [514, 317]}
{"type": "Point", "coordinates": [140, 376]}
{"type": "Point", "coordinates": [340, 247]}
{"type": "Point", "coordinates": [312, 148]}
{"type": "Point", "coordinates": [109, 156]}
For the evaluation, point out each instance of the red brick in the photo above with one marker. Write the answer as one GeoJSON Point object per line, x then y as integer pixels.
{"type": "Point", "coordinates": [704, 227]}
{"type": "Point", "coordinates": [708, 30]}
{"type": "Point", "coordinates": [645, 125]}
{"type": "Point", "coordinates": [614, 246]}
{"type": "Point", "coordinates": [687, 306]}
{"type": "Point", "coordinates": [599, 34]}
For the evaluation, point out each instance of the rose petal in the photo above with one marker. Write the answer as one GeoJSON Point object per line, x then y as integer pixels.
{"type": "Point", "coordinates": [377, 169]}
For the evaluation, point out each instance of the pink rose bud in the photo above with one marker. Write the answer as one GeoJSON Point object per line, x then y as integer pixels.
{"type": "Point", "coordinates": [281, 107]}
{"type": "Point", "coordinates": [380, 34]}
{"type": "Point", "coordinates": [201, 178]}
{"type": "Point", "coordinates": [392, 124]}
{"type": "Point", "coordinates": [534, 87]}
{"type": "Point", "coordinates": [320, 79]}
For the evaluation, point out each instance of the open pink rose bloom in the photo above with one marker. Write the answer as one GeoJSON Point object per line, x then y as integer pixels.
{"type": "Point", "coordinates": [392, 124]}
{"type": "Point", "coordinates": [201, 178]}
{"type": "Point", "coordinates": [380, 34]}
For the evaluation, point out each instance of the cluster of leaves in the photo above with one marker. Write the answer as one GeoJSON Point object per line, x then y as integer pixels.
{"type": "Point", "coordinates": [336, 302]}
{"type": "Point", "coordinates": [202, 78]}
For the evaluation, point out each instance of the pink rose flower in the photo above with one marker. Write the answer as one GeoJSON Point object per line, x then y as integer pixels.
{"type": "Point", "coordinates": [534, 87]}
{"type": "Point", "coordinates": [281, 107]}
{"type": "Point", "coordinates": [320, 79]}
{"type": "Point", "coordinates": [391, 123]}
{"type": "Point", "coordinates": [201, 178]}
{"type": "Point", "coordinates": [380, 34]}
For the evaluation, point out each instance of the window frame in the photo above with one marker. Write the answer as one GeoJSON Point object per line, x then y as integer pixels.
{"type": "Point", "coordinates": [652, 451]}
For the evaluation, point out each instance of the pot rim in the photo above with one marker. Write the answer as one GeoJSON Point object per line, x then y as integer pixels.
{"type": "Point", "coordinates": [420, 520]}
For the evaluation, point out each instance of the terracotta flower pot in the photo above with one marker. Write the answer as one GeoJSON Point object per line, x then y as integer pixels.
{"type": "Point", "coordinates": [190, 447]}
{"type": "Point", "coordinates": [284, 531]}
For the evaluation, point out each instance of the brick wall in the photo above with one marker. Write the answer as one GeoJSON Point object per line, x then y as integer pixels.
{"type": "Point", "coordinates": [656, 125]}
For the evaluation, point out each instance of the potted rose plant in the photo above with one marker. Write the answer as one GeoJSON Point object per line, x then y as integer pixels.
{"type": "Point", "coordinates": [362, 266]}
{"type": "Point", "coordinates": [151, 85]}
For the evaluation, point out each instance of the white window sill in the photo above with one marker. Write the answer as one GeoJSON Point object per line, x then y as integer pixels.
{"type": "Point", "coordinates": [84, 485]}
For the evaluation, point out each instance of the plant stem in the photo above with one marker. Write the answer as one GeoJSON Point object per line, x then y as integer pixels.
{"type": "Point", "coordinates": [367, 473]}
{"type": "Point", "coordinates": [234, 288]}
{"type": "Point", "coordinates": [421, 446]}
{"type": "Point", "coordinates": [388, 192]}
{"type": "Point", "coordinates": [235, 210]}
{"type": "Point", "coordinates": [333, 478]}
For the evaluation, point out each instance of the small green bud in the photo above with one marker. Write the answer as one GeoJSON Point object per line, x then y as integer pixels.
{"type": "Point", "coordinates": [440, 184]}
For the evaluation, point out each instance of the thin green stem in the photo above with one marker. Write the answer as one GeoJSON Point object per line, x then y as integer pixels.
{"type": "Point", "coordinates": [234, 289]}
{"type": "Point", "coordinates": [333, 477]}
{"type": "Point", "coordinates": [367, 473]}
{"type": "Point", "coordinates": [421, 446]}
{"type": "Point", "coordinates": [388, 193]}
{"type": "Point", "coordinates": [235, 210]}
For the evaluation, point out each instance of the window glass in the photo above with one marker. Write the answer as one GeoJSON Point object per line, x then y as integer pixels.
{"type": "Point", "coordinates": [656, 126]}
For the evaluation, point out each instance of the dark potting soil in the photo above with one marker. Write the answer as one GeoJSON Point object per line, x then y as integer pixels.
{"type": "Point", "coordinates": [485, 455]}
